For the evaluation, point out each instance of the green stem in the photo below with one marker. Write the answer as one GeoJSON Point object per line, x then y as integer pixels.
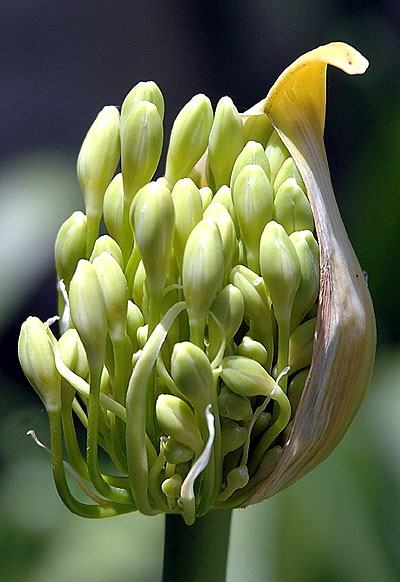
{"type": "Point", "coordinates": [188, 549]}
{"type": "Point", "coordinates": [104, 508]}
{"type": "Point", "coordinates": [93, 225]}
{"type": "Point", "coordinates": [136, 398]}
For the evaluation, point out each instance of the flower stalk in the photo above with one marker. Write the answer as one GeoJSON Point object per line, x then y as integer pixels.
{"type": "Point", "coordinates": [217, 341]}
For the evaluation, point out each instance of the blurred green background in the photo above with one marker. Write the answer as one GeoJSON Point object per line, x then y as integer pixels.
{"type": "Point", "coordinates": [60, 63]}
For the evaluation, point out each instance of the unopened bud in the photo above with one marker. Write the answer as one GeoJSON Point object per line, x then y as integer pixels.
{"type": "Point", "coordinates": [106, 244]}
{"type": "Point", "coordinates": [252, 153]}
{"type": "Point", "coordinates": [276, 153]}
{"type": "Point", "coordinates": [202, 273]}
{"type": "Point", "coordinates": [88, 311]}
{"type": "Point", "coordinates": [143, 91]}
{"type": "Point", "coordinates": [256, 304]}
{"type": "Point", "coordinates": [257, 128]}
{"type": "Point", "coordinates": [252, 198]}
{"type": "Point", "coordinates": [246, 377]}
{"type": "Point", "coordinates": [224, 196]}
{"type": "Point", "coordinates": [176, 452]}
{"type": "Point", "coordinates": [253, 349]}
{"type": "Point", "coordinates": [220, 215]}
{"type": "Point", "coordinates": [74, 357]}
{"type": "Point", "coordinates": [153, 221]}
{"type": "Point", "coordinates": [228, 308]}
{"type": "Point", "coordinates": [115, 294]}
{"type": "Point", "coordinates": [192, 374]}
{"type": "Point", "coordinates": [296, 387]}
{"type": "Point", "coordinates": [233, 436]}
{"type": "Point", "coordinates": [288, 170]}
{"type": "Point", "coordinates": [98, 158]}
{"type": "Point", "coordinates": [37, 361]}
{"type": "Point", "coordinates": [206, 196]}
{"type": "Point", "coordinates": [171, 487]}
{"type": "Point", "coordinates": [139, 291]}
{"type": "Point", "coordinates": [177, 420]}
{"type": "Point", "coordinates": [141, 144]}
{"type": "Point", "coordinates": [280, 268]}
{"type": "Point", "coordinates": [225, 141]}
{"type": "Point", "coordinates": [301, 345]}
{"type": "Point", "coordinates": [234, 406]}
{"type": "Point", "coordinates": [189, 138]}
{"type": "Point", "coordinates": [188, 212]}
{"type": "Point", "coordinates": [134, 321]}
{"type": "Point", "coordinates": [308, 252]}
{"type": "Point", "coordinates": [292, 208]}
{"type": "Point", "coordinates": [70, 246]}
{"type": "Point", "coordinates": [236, 479]}
{"type": "Point", "coordinates": [73, 353]}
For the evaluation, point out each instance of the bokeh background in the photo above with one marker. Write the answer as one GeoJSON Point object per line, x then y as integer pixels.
{"type": "Point", "coordinates": [60, 62]}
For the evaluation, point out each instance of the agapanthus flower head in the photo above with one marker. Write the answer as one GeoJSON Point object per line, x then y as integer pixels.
{"type": "Point", "coordinates": [217, 340]}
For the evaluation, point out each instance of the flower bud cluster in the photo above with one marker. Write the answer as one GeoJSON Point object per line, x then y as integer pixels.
{"type": "Point", "coordinates": [188, 328]}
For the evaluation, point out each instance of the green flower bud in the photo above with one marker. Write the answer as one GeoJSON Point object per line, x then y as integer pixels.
{"type": "Point", "coordinates": [233, 406]}
{"type": "Point", "coordinates": [220, 215]}
{"type": "Point", "coordinates": [206, 196]}
{"type": "Point", "coordinates": [308, 252]}
{"type": "Point", "coordinates": [252, 153]}
{"type": "Point", "coordinates": [176, 452]}
{"type": "Point", "coordinates": [192, 374]}
{"type": "Point", "coordinates": [113, 208]}
{"type": "Point", "coordinates": [171, 487]}
{"type": "Point", "coordinates": [296, 387]}
{"type": "Point", "coordinates": [188, 212]}
{"type": "Point", "coordinates": [142, 335]}
{"type": "Point", "coordinates": [73, 353]}
{"type": "Point", "coordinates": [246, 377]}
{"type": "Point", "coordinates": [252, 197]}
{"type": "Point", "coordinates": [276, 154]}
{"type": "Point", "coordinates": [139, 291]}
{"type": "Point", "coordinates": [70, 246]}
{"type": "Point", "coordinates": [256, 305]}
{"type": "Point", "coordinates": [292, 208]}
{"type": "Point", "coordinates": [262, 423]}
{"type": "Point", "coordinates": [225, 141]}
{"type": "Point", "coordinates": [189, 138]}
{"type": "Point", "coordinates": [224, 196]}
{"type": "Point", "coordinates": [228, 308]}
{"type": "Point", "coordinates": [98, 159]}
{"type": "Point", "coordinates": [88, 312]}
{"type": "Point", "coordinates": [253, 349]}
{"type": "Point", "coordinates": [236, 479]}
{"type": "Point", "coordinates": [74, 357]}
{"type": "Point", "coordinates": [288, 170]}
{"type": "Point", "coordinates": [106, 244]}
{"type": "Point", "coordinates": [115, 294]}
{"type": "Point", "coordinates": [36, 357]}
{"type": "Point", "coordinates": [257, 128]}
{"type": "Point", "coordinates": [233, 436]}
{"type": "Point", "coordinates": [202, 274]}
{"type": "Point", "coordinates": [228, 312]}
{"type": "Point", "coordinates": [143, 91]}
{"type": "Point", "coordinates": [280, 268]}
{"type": "Point", "coordinates": [153, 222]}
{"type": "Point", "coordinates": [267, 465]}
{"type": "Point", "coordinates": [301, 345]}
{"type": "Point", "coordinates": [141, 144]}
{"type": "Point", "coordinates": [134, 321]}
{"type": "Point", "coordinates": [177, 420]}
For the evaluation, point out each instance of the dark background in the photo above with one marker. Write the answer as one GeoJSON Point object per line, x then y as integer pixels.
{"type": "Point", "coordinates": [60, 63]}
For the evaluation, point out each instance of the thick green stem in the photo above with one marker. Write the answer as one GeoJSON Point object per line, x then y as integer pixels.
{"type": "Point", "coordinates": [197, 552]}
